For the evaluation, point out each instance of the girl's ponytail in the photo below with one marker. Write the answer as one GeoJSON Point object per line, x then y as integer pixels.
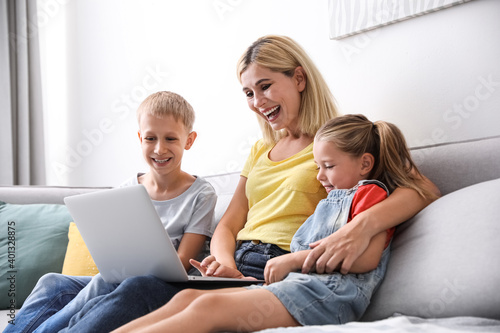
{"type": "Point", "coordinates": [396, 167]}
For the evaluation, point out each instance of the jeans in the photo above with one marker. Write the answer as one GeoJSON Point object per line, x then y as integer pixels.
{"type": "Point", "coordinates": [87, 297]}
{"type": "Point", "coordinates": [103, 307]}
{"type": "Point", "coordinates": [251, 257]}
{"type": "Point", "coordinates": [52, 293]}
{"type": "Point", "coordinates": [138, 296]}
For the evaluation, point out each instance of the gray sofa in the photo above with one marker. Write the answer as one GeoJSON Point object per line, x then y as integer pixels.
{"type": "Point", "coordinates": [444, 270]}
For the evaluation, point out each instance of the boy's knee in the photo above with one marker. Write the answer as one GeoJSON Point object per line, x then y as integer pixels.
{"type": "Point", "coordinates": [51, 280]}
{"type": "Point", "coordinates": [145, 291]}
{"type": "Point", "coordinates": [141, 283]}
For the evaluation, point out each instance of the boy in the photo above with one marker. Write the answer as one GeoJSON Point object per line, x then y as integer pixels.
{"type": "Point", "coordinates": [165, 130]}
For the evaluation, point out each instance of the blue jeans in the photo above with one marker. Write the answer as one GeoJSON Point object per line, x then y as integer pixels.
{"type": "Point", "coordinates": [103, 307]}
{"type": "Point", "coordinates": [251, 257]}
{"type": "Point", "coordinates": [138, 296]}
{"type": "Point", "coordinates": [52, 293]}
{"type": "Point", "coordinates": [87, 297]}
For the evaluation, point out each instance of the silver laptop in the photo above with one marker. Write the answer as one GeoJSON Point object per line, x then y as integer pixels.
{"type": "Point", "coordinates": [126, 237]}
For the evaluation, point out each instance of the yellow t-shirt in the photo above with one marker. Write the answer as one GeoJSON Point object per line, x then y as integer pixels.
{"type": "Point", "coordinates": [281, 195]}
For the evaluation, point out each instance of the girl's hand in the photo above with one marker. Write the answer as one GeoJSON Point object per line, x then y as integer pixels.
{"type": "Point", "coordinates": [342, 247]}
{"type": "Point", "coordinates": [278, 268]}
{"type": "Point", "coordinates": [211, 267]}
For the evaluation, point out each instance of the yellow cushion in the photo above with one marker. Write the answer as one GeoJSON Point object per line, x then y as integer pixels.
{"type": "Point", "coordinates": [78, 261]}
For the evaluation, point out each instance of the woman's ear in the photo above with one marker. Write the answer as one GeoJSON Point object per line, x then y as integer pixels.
{"type": "Point", "coordinates": [300, 78]}
{"type": "Point", "coordinates": [367, 163]}
{"type": "Point", "coordinates": [190, 140]}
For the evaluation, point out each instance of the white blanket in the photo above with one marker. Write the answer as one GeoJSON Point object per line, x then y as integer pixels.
{"type": "Point", "coordinates": [403, 324]}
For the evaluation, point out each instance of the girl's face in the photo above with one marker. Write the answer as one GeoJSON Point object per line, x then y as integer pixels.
{"type": "Point", "coordinates": [163, 142]}
{"type": "Point", "coordinates": [337, 169]}
{"type": "Point", "coordinates": [274, 96]}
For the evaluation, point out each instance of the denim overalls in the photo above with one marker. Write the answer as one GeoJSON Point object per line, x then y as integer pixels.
{"type": "Point", "coordinates": [320, 299]}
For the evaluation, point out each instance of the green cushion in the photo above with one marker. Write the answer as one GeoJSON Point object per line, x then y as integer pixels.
{"type": "Point", "coordinates": [33, 241]}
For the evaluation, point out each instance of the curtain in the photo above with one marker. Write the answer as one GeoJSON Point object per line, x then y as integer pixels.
{"type": "Point", "coordinates": [22, 160]}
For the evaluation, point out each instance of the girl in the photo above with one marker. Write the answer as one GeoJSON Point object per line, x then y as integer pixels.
{"type": "Point", "coordinates": [356, 160]}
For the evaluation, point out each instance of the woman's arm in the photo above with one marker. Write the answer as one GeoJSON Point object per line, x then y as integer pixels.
{"type": "Point", "coordinates": [370, 259]}
{"type": "Point", "coordinates": [223, 244]}
{"type": "Point", "coordinates": [189, 247]}
{"type": "Point", "coordinates": [349, 242]}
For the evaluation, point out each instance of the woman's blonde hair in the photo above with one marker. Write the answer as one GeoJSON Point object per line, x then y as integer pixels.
{"type": "Point", "coordinates": [393, 165]}
{"type": "Point", "coordinates": [163, 103]}
{"type": "Point", "coordinates": [282, 54]}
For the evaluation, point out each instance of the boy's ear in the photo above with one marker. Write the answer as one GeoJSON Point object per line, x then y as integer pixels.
{"type": "Point", "coordinates": [300, 78]}
{"type": "Point", "coordinates": [367, 163]}
{"type": "Point", "coordinates": [190, 140]}
{"type": "Point", "coordinates": [139, 135]}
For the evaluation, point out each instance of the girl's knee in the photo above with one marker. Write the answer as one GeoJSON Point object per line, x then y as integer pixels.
{"type": "Point", "coordinates": [186, 296]}
{"type": "Point", "coordinates": [189, 293]}
{"type": "Point", "coordinates": [208, 302]}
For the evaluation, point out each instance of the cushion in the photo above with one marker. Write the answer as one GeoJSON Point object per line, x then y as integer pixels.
{"type": "Point", "coordinates": [78, 261]}
{"type": "Point", "coordinates": [444, 261]}
{"type": "Point", "coordinates": [33, 241]}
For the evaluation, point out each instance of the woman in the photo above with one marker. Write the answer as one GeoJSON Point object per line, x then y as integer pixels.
{"type": "Point", "coordinates": [276, 193]}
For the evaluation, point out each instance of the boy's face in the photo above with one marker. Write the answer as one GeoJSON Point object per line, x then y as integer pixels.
{"type": "Point", "coordinates": [337, 169]}
{"type": "Point", "coordinates": [163, 142]}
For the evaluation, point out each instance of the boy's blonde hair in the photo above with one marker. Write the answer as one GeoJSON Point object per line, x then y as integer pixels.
{"type": "Point", "coordinates": [282, 54]}
{"type": "Point", "coordinates": [393, 165]}
{"type": "Point", "coordinates": [163, 103]}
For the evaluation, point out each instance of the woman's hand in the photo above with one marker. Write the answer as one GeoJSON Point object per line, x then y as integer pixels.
{"type": "Point", "coordinates": [344, 247]}
{"type": "Point", "coordinates": [340, 248]}
{"type": "Point", "coordinates": [211, 267]}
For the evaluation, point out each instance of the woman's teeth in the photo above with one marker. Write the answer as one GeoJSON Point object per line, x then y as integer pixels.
{"type": "Point", "coordinates": [269, 114]}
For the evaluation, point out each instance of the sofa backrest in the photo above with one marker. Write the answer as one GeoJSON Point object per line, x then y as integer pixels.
{"type": "Point", "coordinates": [452, 166]}
{"type": "Point", "coordinates": [20, 194]}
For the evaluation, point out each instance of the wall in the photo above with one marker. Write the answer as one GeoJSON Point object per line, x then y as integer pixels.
{"type": "Point", "coordinates": [435, 76]}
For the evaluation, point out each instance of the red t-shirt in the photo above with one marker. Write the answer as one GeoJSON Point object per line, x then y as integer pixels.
{"type": "Point", "coordinates": [365, 197]}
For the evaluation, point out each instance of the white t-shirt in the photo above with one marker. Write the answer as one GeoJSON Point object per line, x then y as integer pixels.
{"type": "Point", "coordinates": [190, 212]}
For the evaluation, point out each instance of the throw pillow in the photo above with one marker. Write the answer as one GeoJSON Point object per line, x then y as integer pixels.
{"type": "Point", "coordinates": [444, 261]}
{"type": "Point", "coordinates": [78, 261]}
{"type": "Point", "coordinates": [33, 241]}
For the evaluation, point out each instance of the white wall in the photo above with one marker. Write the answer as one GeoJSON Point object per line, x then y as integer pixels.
{"type": "Point", "coordinates": [103, 57]}
{"type": "Point", "coordinates": [436, 76]}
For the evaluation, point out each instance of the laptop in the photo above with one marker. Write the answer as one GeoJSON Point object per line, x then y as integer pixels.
{"type": "Point", "coordinates": [126, 237]}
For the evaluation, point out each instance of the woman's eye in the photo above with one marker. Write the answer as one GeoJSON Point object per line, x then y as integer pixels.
{"type": "Point", "coordinates": [265, 86]}
{"type": "Point", "coordinates": [249, 94]}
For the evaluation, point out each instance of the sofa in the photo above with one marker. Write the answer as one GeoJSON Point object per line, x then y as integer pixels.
{"type": "Point", "coordinates": [443, 274]}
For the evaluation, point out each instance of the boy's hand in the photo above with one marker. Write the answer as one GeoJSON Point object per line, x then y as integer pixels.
{"type": "Point", "coordinates": [211, 267]}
